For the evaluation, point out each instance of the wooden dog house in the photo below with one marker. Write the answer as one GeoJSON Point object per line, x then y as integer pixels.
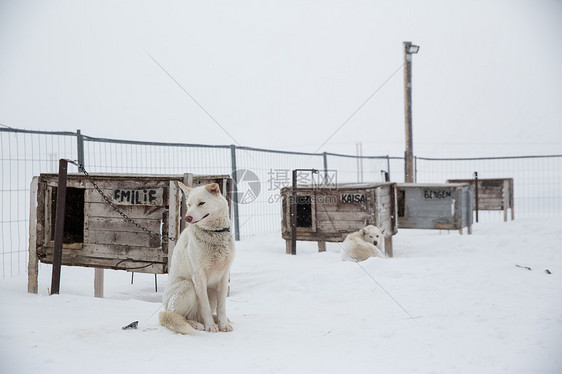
{"type": "Point", "coordinates": [435, 206]}
{"type": "Point", "coordinates": [492, 194]}
{"type": "Point", "coordinates": [96, 235]}
{"type": "Point", "coordinates": [328, 214]}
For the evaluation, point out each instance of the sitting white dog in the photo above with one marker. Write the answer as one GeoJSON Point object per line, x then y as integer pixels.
{"type": "Point", "coordinates": [360, 245]}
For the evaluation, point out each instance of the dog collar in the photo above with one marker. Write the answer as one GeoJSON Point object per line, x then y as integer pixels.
{"type": "Point", "coordinates": [221, 230]}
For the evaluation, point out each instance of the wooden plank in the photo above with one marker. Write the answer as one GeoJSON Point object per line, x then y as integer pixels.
{"type": "Point", "coordinates": [40, 229]}
{"type": "Point", "coordinates": [110, 251]}
{"type": "Point", "coordinates": [52, 181]}
{"type": "Point", "coordinates": [393, 210]}
{"type": "Point", "coordinates": [188, 181]}
{"type": "Point", "coordinates": [164, 231]}
{"type": "Point", "coordinates": [114, 264]}
{"type": "Point", "coordinates": [332, 208]}
{"type": "Point", "coordinates": [315, 237]}
{"type": "Point", "coordinates": [505, 199]}
{"type": "Point", "coordinates": [341, 216]}
{"type": "Point", "coordinates": [511, 199]}
{"type": "Point", "coordinates": [120, 196]}
{"type": "Point", "coordinates": [49, 222]}
{"type": "Point", "coordinates": [119, 224]}
{"type": "Point", "coordinates": [108, 185]}
{"type": "Point", "coordinates": [33, 261]}
{"type": "Point", "coordinates": [104, 210]}
{"type": "Point", "coordinates": [321, 246]}
{"type": "Point", "coordinates": [133, 239]}
{"type": "Point", "coordinates": [378, 208]}
{"type": "Point", "coordinates": [174, 217]}
{"type": "Point", "coordinates": [137, 196]}
{"type": "Point", "coordinates": [490, 205]}
{"type": "Point", "coordinates": [326, 228]}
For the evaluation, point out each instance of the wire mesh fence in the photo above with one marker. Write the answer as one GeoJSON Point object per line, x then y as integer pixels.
{"type": "Point", "coordinates": [537, 179]}
{"type": "Point", "coordinates": [24, 154]}
{"type": "Point", "coordinates": [260, 174]}
{"type": "Point", "coordinates": [128, 157]}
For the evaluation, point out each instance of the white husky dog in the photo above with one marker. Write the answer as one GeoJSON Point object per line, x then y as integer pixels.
{"type": "Point", "coordinates": [195, 295]}
{"type": "Point", "coordinates": [362, 244]}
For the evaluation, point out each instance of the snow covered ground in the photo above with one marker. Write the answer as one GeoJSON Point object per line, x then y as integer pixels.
{"type": "Point", "coordinates": [474, 311]}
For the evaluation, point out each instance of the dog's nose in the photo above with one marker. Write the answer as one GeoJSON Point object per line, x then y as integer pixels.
{"type": "Point", "coordinates": [188, 218]}
{"type": "Point", "coordinates": [375, 243]}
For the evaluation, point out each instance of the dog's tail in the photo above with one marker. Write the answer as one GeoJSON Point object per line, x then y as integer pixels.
{"type": "Point", "coordinates": [176, 323]}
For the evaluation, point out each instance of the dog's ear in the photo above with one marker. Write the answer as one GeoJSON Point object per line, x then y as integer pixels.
{"type": "Point", "coordinates": [213, 188]}
{"type": "Point", "coordinates": [363, 231]}
{"type": "Point", "coordinates": [186, 190]}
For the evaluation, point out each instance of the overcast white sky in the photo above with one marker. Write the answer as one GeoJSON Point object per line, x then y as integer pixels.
{"type": "Point", "coordinates": [287, 74]}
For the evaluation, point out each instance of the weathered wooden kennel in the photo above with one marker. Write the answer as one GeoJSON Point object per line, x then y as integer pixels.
{"type": "Point", "coordinates": [98, 236]}
{"type": "Point", "coordinates": [435, 206]}
{"type": "Point", "coordinates": [491, 194]}
{"type": "Point", "coordinates": [328, 214]}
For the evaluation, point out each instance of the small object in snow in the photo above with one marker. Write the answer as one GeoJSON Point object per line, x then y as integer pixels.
{"type": "Point", "coordinates": [548, 271]}
{"type": "Point", "coordinates": [131, 326]}
{"type": "Point", "coordinates": [523, 267]}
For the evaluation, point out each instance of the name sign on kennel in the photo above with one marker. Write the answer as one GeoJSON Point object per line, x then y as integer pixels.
{"type": "Point", "coordinates": [351, 198]}
{"type": "Point", "coordinates": [432, 194]}
{"type": "Point", "coordinates": [145, 196]}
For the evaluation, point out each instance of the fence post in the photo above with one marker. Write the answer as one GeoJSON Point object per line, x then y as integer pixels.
{"type": "Point", "coordinates": [415, 169]}
{"type": "Point", "coordinates": [80, 149]}
{"type": "Point", "coordinates": [235, 193]}
{"type": "Point", "coordinates": [325, 159]}
{"type": "Point", "coordinates": [98, 273]}
{"type": "Point", "coordinates": [388, 167]}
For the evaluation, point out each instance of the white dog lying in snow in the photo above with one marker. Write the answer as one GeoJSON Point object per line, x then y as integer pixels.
{"type": "Point", "coordinates": [362, 244]}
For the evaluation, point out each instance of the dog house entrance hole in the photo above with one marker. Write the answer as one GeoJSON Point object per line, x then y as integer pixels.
{"type": "Point", "coordinates": [73, 216]}
{"type": "Point", "coordinates": [401, 197]}
{"type": "Point", "coordinates": [304, 211]}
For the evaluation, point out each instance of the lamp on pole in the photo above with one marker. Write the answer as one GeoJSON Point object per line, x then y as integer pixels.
{"type": "Point", "coordinates": [409, 50]}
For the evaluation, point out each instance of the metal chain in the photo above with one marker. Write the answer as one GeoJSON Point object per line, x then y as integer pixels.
{"type": "Point", "coordinates": [123, 214]}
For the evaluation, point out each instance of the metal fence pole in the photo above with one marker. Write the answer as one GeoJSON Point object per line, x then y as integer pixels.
{"type": "Point", "coordinates": [325, 158]}
{"type": "Point", "coordinates": [80, 149]}
{"type": "Point", "coordinates": [388, 166]}
{"type": "Point", "coordinates": [415, 169]}
{"type": "Point", "coordinates": [235, 193]}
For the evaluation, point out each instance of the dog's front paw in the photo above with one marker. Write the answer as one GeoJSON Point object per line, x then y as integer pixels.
{"type": "Point", "coordinates": [225, 327]}
{"type": "Point", "coordinates": [212, 327]}
{"type": "Point", "coordinates": [197, 325]}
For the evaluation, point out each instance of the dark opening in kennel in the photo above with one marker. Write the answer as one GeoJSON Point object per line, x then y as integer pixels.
{"type": "Point", "coordinates": [73, 215]}
{"type": "Point", "coordinates": [304, 211]}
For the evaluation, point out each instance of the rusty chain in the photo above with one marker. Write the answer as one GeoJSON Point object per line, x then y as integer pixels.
{"type": "Point", "coordinates": [121, 213]}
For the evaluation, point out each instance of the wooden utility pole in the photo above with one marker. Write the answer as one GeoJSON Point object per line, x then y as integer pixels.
{"type": "Point", "coordinates": [409, 49]}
